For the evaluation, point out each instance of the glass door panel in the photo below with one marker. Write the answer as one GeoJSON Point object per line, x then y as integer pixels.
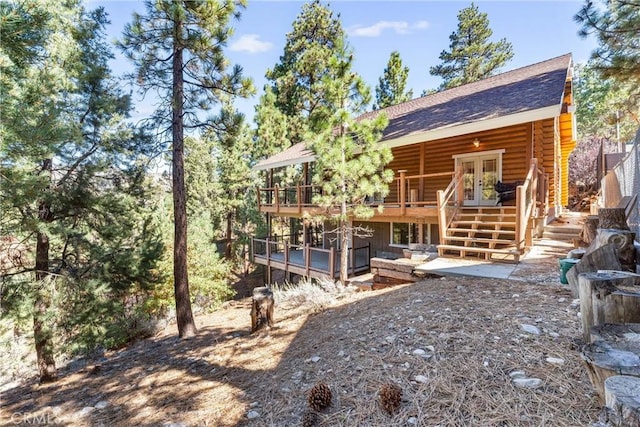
{"type": "Point", "coordinates": [469, 181]}
{"type": "Point", "coordinates": [488, 180]}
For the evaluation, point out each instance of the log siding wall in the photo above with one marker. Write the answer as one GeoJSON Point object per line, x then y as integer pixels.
{"type": "Point", "coordinates": [520, 142]}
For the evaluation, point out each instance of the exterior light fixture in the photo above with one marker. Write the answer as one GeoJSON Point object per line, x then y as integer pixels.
{"type": "Point", "coordinates": [476, 143]}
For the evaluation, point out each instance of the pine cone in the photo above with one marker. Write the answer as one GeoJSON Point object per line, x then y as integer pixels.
{"type": "Point", "coordinates": [390, 397]}
{"type": "Point", "coordinates": [319, 396]}
{"type": "Point", "coordinates": [310, 419]}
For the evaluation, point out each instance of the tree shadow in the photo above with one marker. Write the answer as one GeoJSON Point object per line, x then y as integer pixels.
{"type": "Point", "coordinates": [354, 347]}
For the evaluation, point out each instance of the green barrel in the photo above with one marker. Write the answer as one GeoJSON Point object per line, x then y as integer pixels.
{"type": "Point", "coordinates": [565, 265]}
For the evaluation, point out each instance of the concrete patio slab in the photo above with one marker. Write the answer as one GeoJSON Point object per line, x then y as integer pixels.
{"type": "Point", "coordinates": [466, 267]}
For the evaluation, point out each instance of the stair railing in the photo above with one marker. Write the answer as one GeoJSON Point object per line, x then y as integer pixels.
{"type": "Point", "coordinates": [526, 201]}
{"type": "Point", "coordinates": [449, 200]}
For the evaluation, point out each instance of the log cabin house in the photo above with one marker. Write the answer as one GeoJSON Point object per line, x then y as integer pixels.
{"type": "Point", "coordinates": [450, 149]}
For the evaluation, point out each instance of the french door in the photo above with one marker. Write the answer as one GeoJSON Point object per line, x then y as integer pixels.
{"type": "Point", "coordinates": [480, 174]}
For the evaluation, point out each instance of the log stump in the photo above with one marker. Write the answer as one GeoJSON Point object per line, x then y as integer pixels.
{"type": "Point", "coordinates": [602, 258]}
{"type": "Point", "coordinates": [613, 218]}
{"type": "Point", "coordinates": [622, 398]}
{"type": "Point", "coordinates": [608, 297]}
{"type": "Point", "coordinates": [622, 240]}
{"type": "Point", "coordinates": [262, 308]}
{"type": "Point", "coordinates": [616, 352]}
{"type": "Point", "coordinates": [589, 229]}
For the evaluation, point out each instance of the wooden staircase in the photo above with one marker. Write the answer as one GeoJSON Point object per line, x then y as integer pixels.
{"type": "Point", "coordinates": [486, 232]}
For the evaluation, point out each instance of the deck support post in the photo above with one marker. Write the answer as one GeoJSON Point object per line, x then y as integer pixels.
{"type": "Point", "coordinates": [403, 193]}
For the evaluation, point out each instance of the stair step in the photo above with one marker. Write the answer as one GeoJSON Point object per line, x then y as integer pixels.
{"type": "Point", "coordinates": [483, 250]}
{"type": "Point", "coordinates": [464, 250]}
{"type": "Point", "coordinates": [559, 236]}
{"type": "Point", "coordinates": [482, 231]}
{"type": "Point", "coordinates": [563, 229]}
{"type": "Point", "coordinates": [488, 208]}
{"type": "Point", "coordinates": [485, 217]}
{"type": "Point", "coordinates": [500, 223]}
{"type": "Point", "coordinates": [480, 240]}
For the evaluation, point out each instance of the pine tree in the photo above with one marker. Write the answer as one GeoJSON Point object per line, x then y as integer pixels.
{"type": "Point", "coordinates": [349, 162]}
{"type": "Point", "coordinates": [471, 56]}
{"type": "Point", "coordinates": [617, 25]}
{"type": "Point", "coordinates": [392, 84]}
{"type": "Point", "coordinates": [607, 110]}
{"type": "Point", "coordinates": [297, 81]}
{"type": "Point", "coordinates": [70, 186]}
{"type": "Point", "coordinates": [183, 41]}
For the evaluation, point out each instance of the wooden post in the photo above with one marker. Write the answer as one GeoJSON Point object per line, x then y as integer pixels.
{"type": "Point", "coordinates": [332, 262]}
{"type": "Point", "coordinates": [276, 190]}
{"type": "Point", "coordinates": [261, 308]}
{"type": "Point", "coordinates": [268, 260]}
{"type": "Point", "coordinates": [608, 297]}
{"type": "Point", "coordinates": [307, 259]}
{"type": "Point", "coordinates": [403, 191]}
{"type": "Point", "coordinates": [286, 258]}
{"type": "Point", "coordinates": [352, 258]}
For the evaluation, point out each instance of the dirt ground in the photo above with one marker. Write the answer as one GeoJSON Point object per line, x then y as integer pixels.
{"type": "Point", "coordinates": [453, 345]}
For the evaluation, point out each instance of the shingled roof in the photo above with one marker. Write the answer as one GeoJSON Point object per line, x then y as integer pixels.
{"type": "Point", "coordinates": [522, 95]}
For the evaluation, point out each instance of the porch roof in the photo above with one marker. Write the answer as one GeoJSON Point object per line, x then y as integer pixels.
{"type": "Point", "coordinates": [530, 93]}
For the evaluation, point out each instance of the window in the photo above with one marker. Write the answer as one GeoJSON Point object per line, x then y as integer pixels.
{"type": "Point", "coordinates": [403, 234]}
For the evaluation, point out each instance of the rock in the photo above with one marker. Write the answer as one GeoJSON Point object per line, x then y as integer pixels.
{"type": "Point", "coordinates": [253, 415]}
{"type": "Point", "coordinates": [102, 404]}
{"type": "Point", "coordinates": [85, 411]}
{"type": "Point", "coordinates": [554, 334]}
{"type": "Point", "coordinates": [555, 361]}
{"type": "Point", "coordinates": [517, 374]}
{"type": "Point", "coordinates": [527, 382]}
{"type": "Point", "coordinates": [430, 348]}
{"type": "Point", "coordinates": [562, 299]}
{"type": "Point", "coordinates": [412, 421]}
{"type": "Point", "coordinates": [390, 339]}
{"type": "Point", "coordinates": [315, 359]}
{"type": "Point", "coordinates": [419, 352]}
{"type": "Point", "coordinates": [530, 329]}
{"type": "Point", "coordinates": [421, 379]}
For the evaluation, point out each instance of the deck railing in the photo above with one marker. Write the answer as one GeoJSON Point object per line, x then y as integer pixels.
{"type": "Point", "coordinates": [406, 191]}
{"type": "Point", "coordinates": [306, 259]}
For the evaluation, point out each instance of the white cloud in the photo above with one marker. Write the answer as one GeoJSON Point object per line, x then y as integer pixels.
{"type": "Point", "coordinates": [375, 30]}
{"type": "Point", "coordinates": [250, 43]}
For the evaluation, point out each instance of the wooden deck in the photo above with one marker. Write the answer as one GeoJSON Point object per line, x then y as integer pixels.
{"type": "Point", "coordinates": [307, 260]}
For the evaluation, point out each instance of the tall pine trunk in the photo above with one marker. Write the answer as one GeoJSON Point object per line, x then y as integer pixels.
{"type": "Point", "coordinates": [42, 329]}
{"type": "Point", "coordinates": [228, 245]}
{"type": "Point", "coordinates": [184, 316]}
{"type": "Point", "coordinates": [344, 255]}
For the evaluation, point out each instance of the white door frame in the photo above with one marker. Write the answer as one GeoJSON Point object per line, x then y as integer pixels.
{"type": "Point", "coordinates": [477, 157]}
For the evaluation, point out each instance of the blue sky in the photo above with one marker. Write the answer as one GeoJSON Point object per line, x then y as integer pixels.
{"type": "Point", "coordinates": [419, 30]}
